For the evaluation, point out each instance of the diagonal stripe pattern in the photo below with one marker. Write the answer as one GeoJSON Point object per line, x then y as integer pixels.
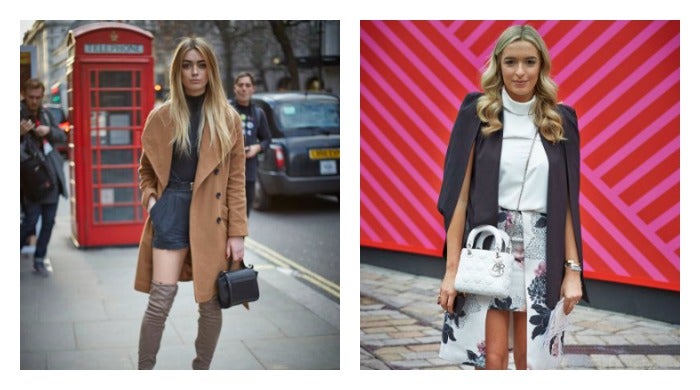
{"type": "Point", "coordinates": [623, 79]}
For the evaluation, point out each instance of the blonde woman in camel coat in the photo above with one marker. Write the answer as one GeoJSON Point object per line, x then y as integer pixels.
{"type": "Point", "coordinates": [192, 178]}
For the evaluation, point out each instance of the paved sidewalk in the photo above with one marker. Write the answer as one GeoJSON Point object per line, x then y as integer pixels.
{"type": "Point", "coordinates": [87, 315]}
{"type": "Point", "coordinates": [401, 329]}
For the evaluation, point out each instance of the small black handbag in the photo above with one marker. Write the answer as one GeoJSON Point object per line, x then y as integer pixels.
{"type": "Point", "coordinates": [237, 286]}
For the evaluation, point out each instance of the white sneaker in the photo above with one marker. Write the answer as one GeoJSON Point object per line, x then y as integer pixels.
{"type": "Point", "coordinates": [28, 250]}
{"type": "Point", "coordinates": [47, 264]}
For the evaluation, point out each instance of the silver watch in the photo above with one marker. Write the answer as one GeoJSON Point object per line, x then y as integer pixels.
{"type": "Point", "coordinates": [572, 265]}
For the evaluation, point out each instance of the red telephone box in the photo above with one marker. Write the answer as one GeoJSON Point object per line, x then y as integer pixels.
{"type": "Point", "coordinates": [110, 93]}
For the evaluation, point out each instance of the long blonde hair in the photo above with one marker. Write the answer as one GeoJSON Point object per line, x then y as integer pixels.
{"type": "Point", "coordinates": [490, 105]}
{"type": "Point", "coordinates": [216, 112]}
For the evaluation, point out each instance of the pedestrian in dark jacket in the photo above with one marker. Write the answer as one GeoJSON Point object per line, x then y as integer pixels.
{"type": "Point", "coordinates": [36, 126]}
{"type": "Point", "coordinates": [255, 130]}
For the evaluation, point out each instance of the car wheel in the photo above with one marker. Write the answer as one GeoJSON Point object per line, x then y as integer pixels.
{"type": "Point", "coordinates": [262, 200]}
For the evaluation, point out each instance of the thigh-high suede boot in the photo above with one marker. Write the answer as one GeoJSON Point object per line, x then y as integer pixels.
{"type": "Point", "coordinates": [207, 334]}
{"type": "Point", "coordinates": [159, 303]}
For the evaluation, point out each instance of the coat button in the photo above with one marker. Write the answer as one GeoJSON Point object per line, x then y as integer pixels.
{"type": "Point", "coordinates": [218, 195]}
{"type": "Point", "coordinates": [218, 219]}
{"type": "Point", "coordinates": [216, 171]}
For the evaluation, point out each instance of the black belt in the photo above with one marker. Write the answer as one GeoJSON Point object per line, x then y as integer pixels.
{"type": "Point", "coordinates": [181, 185]}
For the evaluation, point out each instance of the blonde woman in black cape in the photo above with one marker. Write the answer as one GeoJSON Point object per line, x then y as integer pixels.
{"type": "Point", "coordinates": [513, 162]}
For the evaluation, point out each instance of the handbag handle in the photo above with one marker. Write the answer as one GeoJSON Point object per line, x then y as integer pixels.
{"type": "Point", "coordinates": [501, 239]}
{"type": "Point", "coordinates": [481, 238]}
{"type": "Point", "coordinates": [230, 263]}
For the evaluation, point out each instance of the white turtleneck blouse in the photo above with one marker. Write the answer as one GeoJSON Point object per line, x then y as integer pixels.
{"type": "Point", "coordinates": [518, 132]}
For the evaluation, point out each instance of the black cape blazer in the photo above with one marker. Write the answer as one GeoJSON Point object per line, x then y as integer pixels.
{"type": "Point", "coordinates": [564, 182]}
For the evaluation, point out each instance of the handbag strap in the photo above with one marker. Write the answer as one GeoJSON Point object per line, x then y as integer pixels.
{"type": "Point", "coordinates": [527, 164]}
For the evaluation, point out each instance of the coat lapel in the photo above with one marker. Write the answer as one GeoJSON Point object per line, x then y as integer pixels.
{"type": "Point", "coordinates": [160, 151]}
{"type": "Point", "coordinates": [209, 153]}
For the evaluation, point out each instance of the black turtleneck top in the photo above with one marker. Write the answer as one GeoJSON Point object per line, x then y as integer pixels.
{"type": "Point", "coordinates": [184, 166]}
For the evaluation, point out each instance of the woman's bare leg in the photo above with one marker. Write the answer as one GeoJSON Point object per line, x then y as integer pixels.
{"type": "Point", "coordinates": [497, 322]}
{"type": "Point", "coordinates": [167, 265]}
{"type": "Point", "coordinates": [520, 340]}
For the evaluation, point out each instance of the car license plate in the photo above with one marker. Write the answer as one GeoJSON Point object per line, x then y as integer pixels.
{"type": "Point", "coordinates": [328, 167]}
{"type": "Point", "coordinates": [324, 154]}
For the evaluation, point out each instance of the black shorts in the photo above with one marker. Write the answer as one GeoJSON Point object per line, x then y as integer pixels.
{"type": "Point", "coordinates": [170, 217]}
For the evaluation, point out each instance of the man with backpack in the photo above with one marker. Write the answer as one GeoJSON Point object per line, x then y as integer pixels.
{"type": "Point", "coordinates": [256, 131]}
{"type": "Point", "coordinates": [41, 170]}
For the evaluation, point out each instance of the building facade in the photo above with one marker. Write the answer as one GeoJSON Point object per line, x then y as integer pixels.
{"type": "Point", "coordinates": [247, 45]}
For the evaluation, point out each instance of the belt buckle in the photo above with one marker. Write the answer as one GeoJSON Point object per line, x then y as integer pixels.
{"type": "Point", "coordinates": [191, 185]}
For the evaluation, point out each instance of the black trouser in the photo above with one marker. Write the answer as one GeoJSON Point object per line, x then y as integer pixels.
{"type": "Point", "coordinates": [249, 195]}
{"type": "Point", "coordinates": [32, 212]}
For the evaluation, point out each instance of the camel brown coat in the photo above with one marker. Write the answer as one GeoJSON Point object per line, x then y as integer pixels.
{"type": "Point", "coordinates": [218, 208]}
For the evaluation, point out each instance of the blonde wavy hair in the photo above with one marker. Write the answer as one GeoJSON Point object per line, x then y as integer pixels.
{"type": "Point", "coordinates": [216, 112]}
{"type": "Point", "coordinates": [490, 105]}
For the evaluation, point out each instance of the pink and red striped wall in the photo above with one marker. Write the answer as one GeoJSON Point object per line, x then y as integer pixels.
{"type": "Point", "coordinates": [623, 79]}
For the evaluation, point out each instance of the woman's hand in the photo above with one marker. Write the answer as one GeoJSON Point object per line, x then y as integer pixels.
{"type": "Point", "coordinates": [571, 290]}
{"type": "Point", "coordinates": [447, 296]}
{"type": "Point", "coordinates": [235, 248]}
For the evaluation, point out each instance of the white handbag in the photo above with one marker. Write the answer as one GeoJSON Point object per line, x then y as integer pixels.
{"type": "Point", "coordinates": [488, 271]}
{"type": "Point", "coordinates": [483, 271]}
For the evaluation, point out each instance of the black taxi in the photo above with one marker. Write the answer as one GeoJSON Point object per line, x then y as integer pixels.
{"type": "Point", "coordinates": [304, 154]}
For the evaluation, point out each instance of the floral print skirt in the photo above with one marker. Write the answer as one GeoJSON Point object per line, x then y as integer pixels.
{"type": "Point", "coordinates": [463, 335]}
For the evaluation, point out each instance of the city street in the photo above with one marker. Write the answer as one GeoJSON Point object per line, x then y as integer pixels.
{"type": "Point", "coordinates": [305, 231]}
{"type": "Point", "coordinates": [87, 315]}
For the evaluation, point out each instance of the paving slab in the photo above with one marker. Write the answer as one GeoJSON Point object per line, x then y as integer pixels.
{"type": "Point", "coordinates": [596, 339]}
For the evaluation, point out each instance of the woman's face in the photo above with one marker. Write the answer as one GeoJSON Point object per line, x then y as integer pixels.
{"type": "Point", "coordinates": [520, 66]}
{"type": "Point", "coordinates": [194, 73]}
